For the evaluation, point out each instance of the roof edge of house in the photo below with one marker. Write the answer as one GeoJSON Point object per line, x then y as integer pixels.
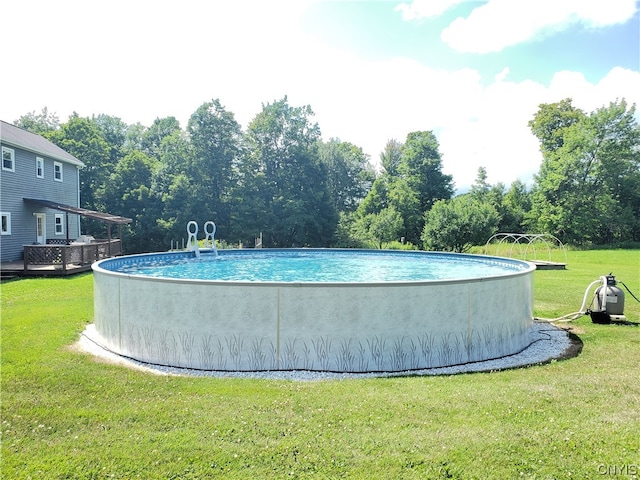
{"type": "Point", "coordinates": [67, 157]}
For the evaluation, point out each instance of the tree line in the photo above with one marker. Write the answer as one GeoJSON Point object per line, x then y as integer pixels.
{"type": "Point", "coordinates": [281, 181]}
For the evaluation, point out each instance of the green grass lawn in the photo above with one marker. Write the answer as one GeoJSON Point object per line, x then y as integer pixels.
{"type": "Point", "coordinates": [67, 415]}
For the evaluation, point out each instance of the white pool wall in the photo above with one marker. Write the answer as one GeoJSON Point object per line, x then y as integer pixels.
{"type": "Point", "coordinates": [342, 327]}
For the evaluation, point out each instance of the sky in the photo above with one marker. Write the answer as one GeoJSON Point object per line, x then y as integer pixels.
{"type": "Point", "coordinates": [473, 72]}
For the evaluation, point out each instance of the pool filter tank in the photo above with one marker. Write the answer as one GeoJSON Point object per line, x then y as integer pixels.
{"type": "Point", "coordinates": [608, 301]}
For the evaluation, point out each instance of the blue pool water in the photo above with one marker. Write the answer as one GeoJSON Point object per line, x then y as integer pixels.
{"type": "Point", "coordinates": [315, 265]}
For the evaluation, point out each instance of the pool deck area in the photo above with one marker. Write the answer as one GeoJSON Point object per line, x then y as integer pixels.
{"type": "Point", "coordinates": [60, 258]}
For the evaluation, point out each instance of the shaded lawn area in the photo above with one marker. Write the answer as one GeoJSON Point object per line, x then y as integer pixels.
{"type": "Point", "coordinates": [67, 415]}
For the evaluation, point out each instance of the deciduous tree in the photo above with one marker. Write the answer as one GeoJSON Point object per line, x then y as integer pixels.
{"type": "Point", "coordinates": [128, 192]}
{"type": "Point", "coordinates": [40, 123]}
{"type": "Point", "coordinates": [391, 156]}
{"type": "Point", "coordinates": [588, 187]}
{"type": "Point", "coordinates": [458, 224]}
{"type": "Point", "coordinates": [292, 180]}
{"type": "Point", "coordinates": [421, 166]}
{"type": "Point", "coordinates": [83, 139]}
{"type": "Point", "coordinates": [215, 138]}
{"type": "Point", "coordinates": [349, 173]}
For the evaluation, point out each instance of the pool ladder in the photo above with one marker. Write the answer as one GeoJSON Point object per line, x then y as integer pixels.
{"type": "Point", "coordinates": [209, 241]}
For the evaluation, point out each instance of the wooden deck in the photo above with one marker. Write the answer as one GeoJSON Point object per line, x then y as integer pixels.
{"type": "Point", "coordinates": [60, 259]}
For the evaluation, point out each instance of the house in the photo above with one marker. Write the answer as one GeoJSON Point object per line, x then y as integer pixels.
{"type": "Point", "coordinates": [40, 204]}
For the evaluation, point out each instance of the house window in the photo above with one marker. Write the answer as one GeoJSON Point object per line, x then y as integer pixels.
{"type": "Point", "coordinates": [59, 223]}
{"type": "Point", "coordinates": [39, 167]}
{"type": "Point", "coordinates": [8, 159]}
{"type": "Point", "coordinates": [57, 171]}
{"type": "Point", "coordinates": [6, 223]}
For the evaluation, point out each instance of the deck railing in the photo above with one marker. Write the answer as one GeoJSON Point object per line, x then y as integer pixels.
{"type": "Point", "coordinates": [62, 256]}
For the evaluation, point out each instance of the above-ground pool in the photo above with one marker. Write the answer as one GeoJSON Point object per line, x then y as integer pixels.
{"type": "Point", "coordinates": [313, 309]}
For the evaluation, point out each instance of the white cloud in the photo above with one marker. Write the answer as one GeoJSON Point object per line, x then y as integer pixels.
{"type": "Point", "coordinates": [596, 13]}
{"type": "Point", "coordinates": [619, 83]}
{"type": "Point", "coordinates": [502, 75]}
{"type": "Point", "coordinates": [498, 24]}
{"type": "Point", "coordinates": [425, 8]}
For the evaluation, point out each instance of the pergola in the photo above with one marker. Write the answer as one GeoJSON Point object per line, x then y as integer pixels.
{"type": "Point", "coordinates": [107, 218]}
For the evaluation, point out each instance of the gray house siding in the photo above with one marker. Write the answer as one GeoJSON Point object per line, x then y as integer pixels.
{"type": "Point", "coordinates": [22, 183]}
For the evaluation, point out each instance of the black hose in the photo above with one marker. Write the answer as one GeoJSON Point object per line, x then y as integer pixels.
{"type": "Point", "coordinates": [622, 283]}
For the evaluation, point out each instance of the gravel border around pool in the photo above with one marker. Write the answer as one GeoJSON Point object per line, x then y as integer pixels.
{"type": "Point", "coordinates": [549, 343]}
